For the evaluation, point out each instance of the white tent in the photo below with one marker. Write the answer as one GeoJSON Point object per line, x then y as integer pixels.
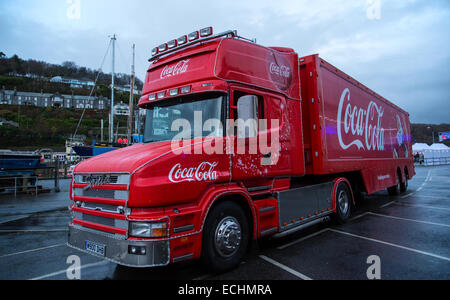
{"type": "Point", "coordinates": [441, 154]}
{"type": "Point", "coordinates": [420, 147]}
{"type": "Point", "coordinates": [439, 147]}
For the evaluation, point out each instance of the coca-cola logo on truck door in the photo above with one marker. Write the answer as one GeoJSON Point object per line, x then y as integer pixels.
{"type": "Point", "coordinates": [280, 71]}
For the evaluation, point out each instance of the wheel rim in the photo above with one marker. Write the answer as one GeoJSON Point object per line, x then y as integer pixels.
{"type": "Point", "coordinates": [228, 237]}
{"type": "Point", "coordinates": [343, 202]}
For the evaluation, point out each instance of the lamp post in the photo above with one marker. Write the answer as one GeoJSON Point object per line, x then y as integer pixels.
{"type": "Point", "coordinates": [432, 130]}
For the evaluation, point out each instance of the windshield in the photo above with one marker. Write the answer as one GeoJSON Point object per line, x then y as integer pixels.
{"type": "Point", "coordinates": [176, 118]}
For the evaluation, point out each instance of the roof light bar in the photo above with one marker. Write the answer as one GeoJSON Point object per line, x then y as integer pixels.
{"type": "Point", "coordinates": [187, 39]}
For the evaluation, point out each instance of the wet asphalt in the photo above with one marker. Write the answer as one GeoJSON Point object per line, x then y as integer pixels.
{"type": "Point", "coordinates": [409, 234]}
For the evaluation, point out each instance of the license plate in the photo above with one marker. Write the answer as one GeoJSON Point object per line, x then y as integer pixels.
{"type": "Point", "coordinates": [95, 248]}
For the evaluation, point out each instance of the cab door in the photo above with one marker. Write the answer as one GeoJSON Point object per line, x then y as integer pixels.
{"type": "Point", "coordinates": [256, 136]}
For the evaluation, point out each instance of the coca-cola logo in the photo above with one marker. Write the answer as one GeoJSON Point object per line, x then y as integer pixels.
{"type": "Point", "coordinates": [280, 72]}
{"type": "Point", "coordinates": [204, 172]}
{"type": "Point", "coordinates": [176, 69]}
{"type": "Point", "coordinates": [360, 127]}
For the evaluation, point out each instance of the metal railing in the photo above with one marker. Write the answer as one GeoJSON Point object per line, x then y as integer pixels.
{"type": "Point", "coordinates": [435, 161]}
{"type": "Point", "coordinates": [19, 184]}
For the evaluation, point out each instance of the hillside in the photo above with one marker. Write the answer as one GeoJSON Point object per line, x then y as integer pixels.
{"type": "Point", "coordinates": [423, 133]}
{"type": "Point", "coordinates": [14, 66]}
{"type": "Point", "coordinates": [50, 127]}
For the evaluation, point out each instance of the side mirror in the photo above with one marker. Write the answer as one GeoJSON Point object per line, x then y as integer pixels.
{"type": "Point", "coordinates": [247, 123]}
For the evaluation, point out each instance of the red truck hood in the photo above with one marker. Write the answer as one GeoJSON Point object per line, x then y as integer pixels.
{"type": "Point", "coordinates": [126, 160]}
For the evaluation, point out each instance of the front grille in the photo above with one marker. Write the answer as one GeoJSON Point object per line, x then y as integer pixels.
{"type": "Point", "coordinates": [107, 179]}
{"type": "Point", "coordinates": [99, 220]}
{"type": "Point", "coordinates": [103, 194]}
{"type": "Point", "coordinates": [110, 222]}
{"type": "Point", "coordinates": [101, 207]}
{"type": "Point", "coordinates": [102, 179]}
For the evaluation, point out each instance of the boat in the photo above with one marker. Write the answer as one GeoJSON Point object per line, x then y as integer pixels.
{"type": "Point", "coordinates": [83, 150]}
{"type": "Point", "coordinates": [18, 163]}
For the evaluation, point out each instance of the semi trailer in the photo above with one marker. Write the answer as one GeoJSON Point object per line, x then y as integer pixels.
{"type": "Point", "coordinates": [241, 142]}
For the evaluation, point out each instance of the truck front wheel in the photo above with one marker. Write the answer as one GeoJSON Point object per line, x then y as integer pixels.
{"type": "Point", "coordinates": [225, 237]}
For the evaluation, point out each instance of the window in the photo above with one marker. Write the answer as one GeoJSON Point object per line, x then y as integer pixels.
{"type": "Point", "coordinates": [161, 118]}
{"type": "Point", "coordinates": [248, 111]}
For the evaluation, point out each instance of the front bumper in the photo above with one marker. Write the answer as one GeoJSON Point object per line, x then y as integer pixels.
{"type": "Point", "coordinates": [116, 248]}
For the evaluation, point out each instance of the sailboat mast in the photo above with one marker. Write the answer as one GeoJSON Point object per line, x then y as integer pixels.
{"type": "Point", "coordinates": [130, 117]}
{"type": "Point", "coordinates": [111, 123]}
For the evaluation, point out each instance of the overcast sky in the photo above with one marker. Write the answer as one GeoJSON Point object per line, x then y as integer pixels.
{"type": "Point", "coordinates": [399, 48]}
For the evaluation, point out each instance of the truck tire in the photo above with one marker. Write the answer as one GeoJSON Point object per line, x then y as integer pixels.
{"type": "Point", "coordinates": [396, 189]}
{"type": "Point", "coordinates": [343, 200]}
{"type": "Point", "coordinates": [225, 237]}
{"type": "Point", "coordinates": [404, 185]}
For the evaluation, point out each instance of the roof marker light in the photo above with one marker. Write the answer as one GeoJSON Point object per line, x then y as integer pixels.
{"type": "Point", "coordinates": [193, 36]}
{"type": "Point", "coordinates": [152, 97]}
{"type": "Point", "coordinates": [161, 95]}
{"type": "Point", "coordinates": [162, 47]}
{"type": "Point", "coordinates": [173, 92]}
{"type": "Point", "coordinates": [186, 89]}
{"type": "Point", "coordinates": [182, 40]}
{"type": "Point", "coordinates": [172, 44]}
{"type": "Point", "coordinates": [154, 51]}
{"type": "Point", "coordinates": [206, 32]}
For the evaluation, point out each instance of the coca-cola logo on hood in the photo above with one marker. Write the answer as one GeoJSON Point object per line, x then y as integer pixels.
{"type": "Point", "coordinates": [203, 172]}
{"type": "Point", "coordinates": [280, 71]}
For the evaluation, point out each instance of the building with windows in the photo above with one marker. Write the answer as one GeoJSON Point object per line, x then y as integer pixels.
{"type": "Point", "coordinates": [121, 109]}
{"type": "Point", "coordinates": [10, 97]}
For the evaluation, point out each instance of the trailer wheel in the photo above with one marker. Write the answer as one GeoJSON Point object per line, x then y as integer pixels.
{"type": "Point", "coordinates": [396, 189]}
{"type": "Point", "coordinates": [225, 237]}
{"type": "Point", "coordinates": [343, 200]}
{"type": "Point", "coordinates": [404, 185]}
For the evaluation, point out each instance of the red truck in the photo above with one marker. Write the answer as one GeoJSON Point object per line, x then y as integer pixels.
{"type": "Point", "coordinates": [241, 142]}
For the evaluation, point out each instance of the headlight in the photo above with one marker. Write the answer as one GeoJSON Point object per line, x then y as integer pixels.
{"type": "Point", "coordinates": [148, 230]}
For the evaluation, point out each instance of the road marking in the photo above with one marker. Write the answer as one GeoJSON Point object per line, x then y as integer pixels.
{"type": "Point", "coordinates": [424, 206]}
{"type": "Point", "coordinates": [103, 262]}
{"type": "Point", "coordinates": [432, 197]}
{"type": "Point", "coordinates": [387, 204]}
{"type": "Point", "coordinates": [391, 244]}
{"type": "Point", "coordinates": [285, 268]}
{"type": "Point", "coordinates": [33, 250]}
{"type": "Point", "coordinates": [14, 218]}
{"type": "Point", "coordinates": [33, 231]}
{"type": "Point", "coordinates": [360, 216]}
{"type": "Point", "coordinates": [420, 188]}
{"type": "Point", "coordinates": [302, 239]}
{"type": "Point", "coordinates": [410, 220]}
